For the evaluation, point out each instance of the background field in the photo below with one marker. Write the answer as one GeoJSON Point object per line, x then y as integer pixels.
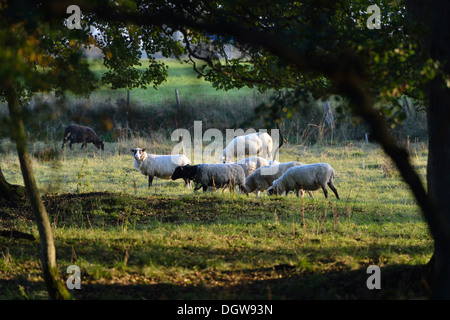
{"type": "Point", "coordinates": [168, 242]}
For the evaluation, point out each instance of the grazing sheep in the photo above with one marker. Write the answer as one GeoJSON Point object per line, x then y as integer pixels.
{"type": "Point", "coordinates": [251, 164]}
{"type": "Point", "coordinates": [253, 144]}
{"type": "Point", "coordinates": [307, 177]}
{"type": "Point", "coordinates": [213, 174]}
{"type": "Point", "coordinates": [161, 166]}
{"type": "Point", "coordinates": [81, 134]}
{"type": "Point", "coordinates": [263, 177]}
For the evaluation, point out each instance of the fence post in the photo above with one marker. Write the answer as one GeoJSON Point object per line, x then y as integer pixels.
{"type": "Point", "coordinates": [128, 108]}
{"type": "Point", "coordinates": [329, 117]}
{"type": "Point", "coordinates": [177, 97]}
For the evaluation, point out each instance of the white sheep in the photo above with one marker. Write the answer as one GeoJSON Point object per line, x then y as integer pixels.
{"type": "Point", "coordinates": [252, 163]}
{"type": "Point", "coordinates": [213, 175]}
{"type": "Point", "coordinates": [262, 178]}
{"type": "Point", "coordinates": [258, 143]}
{"type": "Point", "coordinates": [307, 177]}
{"type": "Point", "coordinates": [161, 166]}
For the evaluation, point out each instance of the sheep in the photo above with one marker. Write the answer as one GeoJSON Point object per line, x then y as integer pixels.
{"type": "Point", "coordinates": [307, 177]}
{"type": "Point", "coordinates": [213, 174]}
{"type": "Point", "coordinates": [253, 144]}
{"type": "Point", "coordinates": [81, 134]}
{"type": "Point", "coordinates": [263, 177]}
{"type": "Point", "coordinates": [161, 166]}
{"type": "Point", "coordinates": [251, 164]}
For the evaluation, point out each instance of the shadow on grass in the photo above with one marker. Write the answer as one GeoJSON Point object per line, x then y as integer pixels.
{"type": "Point", "coordinates": [97, 210]}
{"type": "Point", "coordinates": [397, 283]}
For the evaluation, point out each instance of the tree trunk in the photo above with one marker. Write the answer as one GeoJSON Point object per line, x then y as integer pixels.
{"type": "Point", "coordinates": [55, 287]}
{"type": "Point", "coordinates": [438, 171]}
{"type": "Point", "coordinates": [9, 192]}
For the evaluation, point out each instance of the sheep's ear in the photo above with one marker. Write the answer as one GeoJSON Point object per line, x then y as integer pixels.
{"type": "Point", "coordinates": [143, 150]}
{"type": "Point", "coordinates": [132, 150]}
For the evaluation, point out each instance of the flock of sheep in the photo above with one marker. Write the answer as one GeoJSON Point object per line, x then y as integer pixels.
{"type": "Point", "coordinates": [252, 174]}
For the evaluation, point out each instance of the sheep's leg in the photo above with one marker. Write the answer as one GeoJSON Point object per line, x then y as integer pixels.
{"type": "Point", "coordinates": [205, 188]}
{"type": "Point", "coordinates": [150, 181]}
{"type": "Point", "coordinates": [302, 193]}
{"type": "Point", "coordinates": [310, 194]}
{"type": "Point", "coordinates": [331, 184]}
{"type": "Point", "coordinates": [269, 154]}
{"type": "Point", "coordinates": [325, 191]}
{"type": "Point", "coordinates": [71, 145]}
{"type": "Point", "coordinates": [257, 193]}
{"type": "Point", "coordinates": [66, 138]}
{"type": "Point", "coordinates": [187, 182]}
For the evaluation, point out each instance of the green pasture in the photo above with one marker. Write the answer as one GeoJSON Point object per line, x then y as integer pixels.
{"type": "Point", "coordinates": [192, 90]}
{"type": "Point", "coordinates": [168, 242]}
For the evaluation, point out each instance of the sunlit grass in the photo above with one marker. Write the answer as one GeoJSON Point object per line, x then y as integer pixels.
{"type": "Point", "coordinates": [130, 234]}
{"type": "Point", "coordinates": [192, 90]}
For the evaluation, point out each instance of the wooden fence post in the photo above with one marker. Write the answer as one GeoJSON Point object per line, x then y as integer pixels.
{"type": "Point", "coordinates": [177, 97]}
{"type": "Point", "coordinates": [128, 109]}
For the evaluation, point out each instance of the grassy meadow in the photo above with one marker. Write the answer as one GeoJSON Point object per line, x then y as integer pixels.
{"type": "Point", "coordinates": [137, 241]}
{"type": "Point", "coordinates": [191, 89]}
{"type": "Point", "coordinates": [168, 242]}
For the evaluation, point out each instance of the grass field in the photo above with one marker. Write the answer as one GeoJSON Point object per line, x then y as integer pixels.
{"type": "Point", "coordinates": [192, 90]}
{"type": "Point", "coordinates": [170, 243]}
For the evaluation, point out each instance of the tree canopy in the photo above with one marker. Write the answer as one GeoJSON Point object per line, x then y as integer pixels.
{"type": "Point", "coordinates": [329, 37]}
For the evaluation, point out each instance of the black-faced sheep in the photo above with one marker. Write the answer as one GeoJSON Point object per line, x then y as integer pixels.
{"type": "Point", "coordinates": [81, 134]}
{"type": "Point", "coordinates": [307, 177]}
{"type": "Point", "coordinates": [213, 175]}
{"type": "Point", "coordinates": [160, 166]}
{"type": "Point", "coordinates": [259, 143]}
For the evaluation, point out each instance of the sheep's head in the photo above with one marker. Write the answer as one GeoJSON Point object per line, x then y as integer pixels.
{"type": "Point", "coordinates": [139, 154]}
{"type": "Point", "coordinates": [185, 172]}
{"type": "Point", "coordinates": [99, 144]}
{"type": "Point", "coordinates": [273, 190]}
